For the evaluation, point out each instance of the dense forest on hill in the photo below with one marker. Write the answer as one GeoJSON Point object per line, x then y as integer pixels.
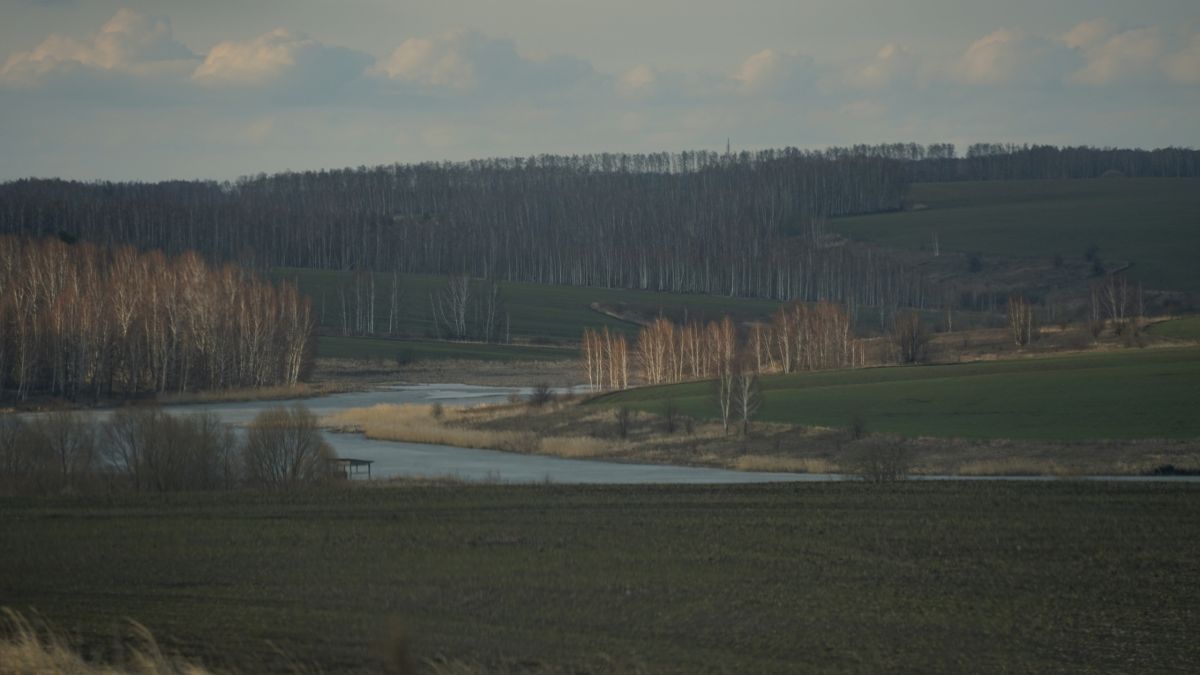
{"type": "Point", "coordinates": [744, 224]}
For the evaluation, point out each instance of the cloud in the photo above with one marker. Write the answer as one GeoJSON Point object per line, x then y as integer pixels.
{"type": "Point", "coordinates": [130, 43]}
{"type": "Point", "coordinates": [281, 59]}
{"type": "Point", "coordinates": [891, 65]}
{"type": "Point", "coordinates": [773, 71]}
{"type": "Point", "coordinates": [639, 80]}
{"type": "Point", "coordinates": [468, 61]}
{"type": "Point", "coordinates": [1111, 57]}
{"type": "Point", "coordinates": [1183, 66]}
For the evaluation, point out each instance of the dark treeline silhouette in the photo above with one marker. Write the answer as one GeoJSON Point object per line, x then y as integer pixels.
{"type": "Point", "coordinates": [736, 224]}
{"type": "Point", "coordinates": [84, 319]}
{"type": "Point", "coordinates": [144, 449]}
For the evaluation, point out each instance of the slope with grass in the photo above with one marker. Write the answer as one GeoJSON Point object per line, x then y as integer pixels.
{"type": "Point", "coordinates": [1182, 328]}
{"type": "Point", "coordinates": [544, 312]}
{"type": "Point", "coordinates": [1153, 223]}
{"type": "Point", "coordinates": [849, 577]}
{"type": "Point", "coordinates": [1124, 394]}
{"type": "Point", "coordinates": [425, 350]}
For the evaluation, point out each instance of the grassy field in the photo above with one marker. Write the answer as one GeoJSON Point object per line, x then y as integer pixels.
{"type": "Point", "coordinates": [1123, 394]}
{"type": "Point", "coordinates": [1152, 222]}
{"type": "Point", "coordinates": [424, 350]}
{"type": "Point", "coordinates": [1184, 328]}
{"type": "Point", "coordinates": [554, 313]}
{"type": "Point", "coordinates": [913, 577]}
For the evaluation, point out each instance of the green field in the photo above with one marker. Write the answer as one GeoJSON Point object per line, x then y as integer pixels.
{"type": "Point", "coordinates": [1118, 395]}
{"type": "Point", "coordinates": [1184, 328]}
{"type": "Point", "coordinates": [553, 313]}
{"type": "Point", "coordinates": [919, 577]}
{"type": "Point", "coordinates": [1152, 222]}
{"type": "Point", "coordinates": [424, 350]}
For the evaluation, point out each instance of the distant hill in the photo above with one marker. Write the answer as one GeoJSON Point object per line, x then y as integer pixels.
{"type": "Point", "coordinates": [1152, 223]}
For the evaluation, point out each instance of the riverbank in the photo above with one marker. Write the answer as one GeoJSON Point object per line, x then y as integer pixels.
{"type": "Point", "coordinates": [564, 428]}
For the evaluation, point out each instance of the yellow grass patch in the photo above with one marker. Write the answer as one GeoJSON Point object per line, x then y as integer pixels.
{"type": "Point", "coordinates": [784, 464]}
{"type": "Point", "coordinates": [435, 425]}
{"type": "Point", "coordinates": [26, 649]}
{"type": "Point", "coordinates": [1015, 466]}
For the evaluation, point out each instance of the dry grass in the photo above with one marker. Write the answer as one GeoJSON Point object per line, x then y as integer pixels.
{"type": "Point", "coordinates": [1016, 466]}
{"type": "Point", "coordinates": [29, 650]}
{"type": "Point", "coordinates": [436, 425]}
{"type": "Point", "coordinates": [774, 463]}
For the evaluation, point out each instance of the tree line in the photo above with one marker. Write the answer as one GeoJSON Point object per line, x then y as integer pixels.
{"type": "Point", "coordinates": [144, 449]}
{"type": "Point", "coordinates": [799, 337]}
{"type": "Point", "coordinates": [80, 319]}
{"type": "Point", "coordinates": [739, 224]}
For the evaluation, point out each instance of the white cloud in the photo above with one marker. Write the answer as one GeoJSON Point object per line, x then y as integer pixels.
{"type": "Point", "coordinates": [1088, 33]}
{"type": "Point", "coordinates": [129, 43]}
{"type": "Point", "coordinates": [1124, 55]}
{"type": "Point", "coordinates": [468, 61]}
{"type": "Point", "coordinates": [637, 81]}
{"type": "Point", "coordinates": [280, 57]}
{"type": "Point", "coordinates": [891, 65]}
{"type": "Point", "coordinates": [1007, 57]}
{"type": "Point", "coordinates": [774, 71]}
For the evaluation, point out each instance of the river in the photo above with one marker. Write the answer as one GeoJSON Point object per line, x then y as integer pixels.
{"type": "Point", "coordinates": [397, 459]}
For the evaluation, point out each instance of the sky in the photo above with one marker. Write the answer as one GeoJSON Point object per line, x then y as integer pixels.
{"type": "Point", "coordinates": [180, 89]}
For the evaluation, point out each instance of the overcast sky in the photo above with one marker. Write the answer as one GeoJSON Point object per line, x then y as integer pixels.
{"type": "Point", "coordinates": [93, 89]}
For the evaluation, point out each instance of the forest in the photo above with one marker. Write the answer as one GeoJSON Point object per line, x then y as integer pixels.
{"type": "Point", "coordinates": [738, 224]}
{"type": "Point", "coordinates": [80, 319]}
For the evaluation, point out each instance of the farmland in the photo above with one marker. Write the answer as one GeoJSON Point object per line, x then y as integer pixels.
{"type": "Point", "coordinates": [549, 313]}
{"type": "Point", "coordinates": [1183, 328]}
{"type": "Point", "coordinates": [839, 577]}
{"type": "Point", "coordinates": [1153, 223]}
{"type": "Point", "coordinates": [1121, 394]}
{"type": "Point", "coordinates": [424, 350]}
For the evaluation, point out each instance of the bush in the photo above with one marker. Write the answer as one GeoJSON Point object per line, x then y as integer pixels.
{"type": "Point", "coordinates": [670, 416]}
{"type": "Point", "coordinates": [542, 394]}
{"type": "Point", "coordinates": [880, 459]}
{"type": "Point", "coordinates": [624, 417]}
{"type": "Point", "coordinates": [166, 453]}
{"type": "Point", "coordinates": [285, 450]}
{"type": "Point", "coordinates": [59, 447]}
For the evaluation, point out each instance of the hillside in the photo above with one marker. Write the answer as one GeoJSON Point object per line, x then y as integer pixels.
{"type": "Point", "coordinates": [1121, 395]}
{"type": "Point", "coordinates": [1152, 223]}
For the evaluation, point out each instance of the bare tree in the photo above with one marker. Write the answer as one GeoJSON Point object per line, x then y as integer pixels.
{"type": "Point", "coordinates": [909, 337]}
{"type": "Point", "coordinates": [747, 397]}
{"type": "Point", "coordinates": [1021, 321]}
{"type": "Point", "coordinates": [284, 449]}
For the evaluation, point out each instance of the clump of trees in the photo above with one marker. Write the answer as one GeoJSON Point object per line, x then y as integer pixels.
{"type": "Point", "coordinates": [1114, 302]}
{"type": "Point", "coordinates": [78, 319]}
{"type": "Point", "coordinates": [799, 337]}
{"type": "Point", "coordinates": [909, 338]}
{"type": "Point", "coordinates": [147, 450]}
{"type": "Point", "coordinates": [1022, 322]}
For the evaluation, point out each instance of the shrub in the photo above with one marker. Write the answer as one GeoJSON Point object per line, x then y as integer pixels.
{"type": "Point", "coordinates": [284, 449]}
{"type": "Point", "coordinates": [670, 416]}
{"type": "Point", "coordinates": [542, 394]}
{"type": "Point", "coordinates": [880, 459]}
{"type": "Point", "coordinates": [624, 416]}
{"type": "Point", "coordinates": [165, 453]}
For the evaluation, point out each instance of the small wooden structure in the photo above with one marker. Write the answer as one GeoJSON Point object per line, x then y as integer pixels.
{"type": "Point", "coordinates": [349, 467]}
